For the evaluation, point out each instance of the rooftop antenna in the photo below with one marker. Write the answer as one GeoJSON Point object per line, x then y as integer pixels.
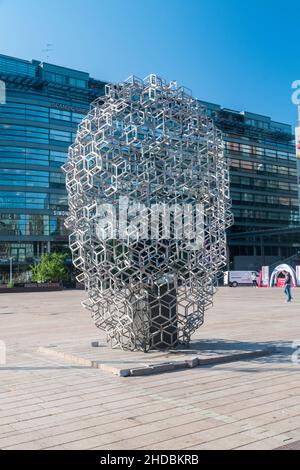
{"type": "Point", "coordinates": [48, 49]}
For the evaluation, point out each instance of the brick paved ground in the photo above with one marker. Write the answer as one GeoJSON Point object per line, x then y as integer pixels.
{"type": "Point", "coordinates": [48, 404]}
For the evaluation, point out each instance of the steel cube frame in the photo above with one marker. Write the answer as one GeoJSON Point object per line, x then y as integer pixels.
{"type": "Point", "coordinates": [148, 142]}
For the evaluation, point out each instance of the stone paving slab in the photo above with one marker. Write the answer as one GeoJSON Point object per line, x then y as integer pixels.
{"type": "Point", "coordinates": [129, 364]}
{"type": "Point", "coordinates": [47, 402]}
{"type": "Point", "coordinates": [292, 446]}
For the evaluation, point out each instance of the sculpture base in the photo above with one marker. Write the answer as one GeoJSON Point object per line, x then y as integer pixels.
{"type": "Point", "coordinates": [163, 315]}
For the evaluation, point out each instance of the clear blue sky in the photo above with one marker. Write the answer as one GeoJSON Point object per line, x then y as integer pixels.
{"type": "Point", "coordinates": [242, 54]}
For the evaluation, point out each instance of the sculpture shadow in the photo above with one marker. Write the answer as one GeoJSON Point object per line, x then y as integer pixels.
{"type": "Point", "coordinates": [282, 349]}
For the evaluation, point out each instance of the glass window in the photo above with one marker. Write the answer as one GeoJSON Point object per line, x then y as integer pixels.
{"type": "Point", "coordinates": [245, 148]}
{"type": "Point", "coordinates": [37, 200]}
{"type": "Point", "coordinates": [234, 163]}
{"type": "Point", "coordinates": [257, 150]}
{"type": "Point", "coordinates": [60, 114]}
{"type": "Point", "coordinates": [57, 227]}
{"type": "Point", "coordinates": [57, 158]}
{"type": "Point", "coordinates": [283, 170]}
{"type": "Point", "coordinates": [284, 201]}
{"type": "Point", "coordinates": [77, 117]}
{"type": "Point", "coordinates": [246, 165]}
{"type": "Point", "coordinates": [270, 153]}
{"type": "Point", "coordinates": [23, 177]}
{"type": "Point", "coordinates": [247, 197]}
{"type": "Point", "coordinates": [235, 179]}
{"type": "Point", "coordinates": [28, 133]}
{"type": "Point", "coordinates": [235, 196]}
{"type": "Point", "coordinates": [260, 198]}
{"type": "Point", "coordinates": [60, 135]}
{"type": "Point", "coordinates": [232, 146]}
{"type": "Point", "coordinates": [245, 181]}
{"type": "Point", "coordinates": [58, 202]}
{"type": "Point", "coordinates": [283, 185]}
{"type": "Point", "coordinates": [282, 155]}
{"type": "Point", "coordinates": [12, 199]}
{"type": "Point", "coordinates": [259, 182]}
{"type": "Point", "coordinates": [57, 180]}
{"type": "Point", "coordinates": [271, 168]}
{"type": "Point", "coordinates": [24, 224]}
{"type": "Point", "coordinates": [272, 184]}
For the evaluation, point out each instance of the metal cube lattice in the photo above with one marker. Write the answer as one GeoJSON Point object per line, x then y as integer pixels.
{"type": "Point", "coordinates": [149, 205]}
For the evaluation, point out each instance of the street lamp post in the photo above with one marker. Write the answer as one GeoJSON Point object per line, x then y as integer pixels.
{"type": "Point", "coordinates": [10, 269]}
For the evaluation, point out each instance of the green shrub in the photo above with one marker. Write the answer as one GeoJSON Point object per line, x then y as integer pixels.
{"type": "Point", "coordinates": [51, 268]}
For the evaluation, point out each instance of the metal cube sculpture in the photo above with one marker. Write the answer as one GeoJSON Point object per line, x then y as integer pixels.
{"type": "Point", "coordinates": [149, 204]}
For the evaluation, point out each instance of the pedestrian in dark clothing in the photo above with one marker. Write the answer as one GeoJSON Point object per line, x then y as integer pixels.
{"type": "Point", "coordinates": [288, 285]}
{"type": "Point", "coordinates": [254, 280]}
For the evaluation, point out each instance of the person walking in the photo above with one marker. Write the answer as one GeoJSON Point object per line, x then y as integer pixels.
{"type": "Point", "coordinates": [254, 280]}
{"type": "Point", "coordinates": [288, 285]}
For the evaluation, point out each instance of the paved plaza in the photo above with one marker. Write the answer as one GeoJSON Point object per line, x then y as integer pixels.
{"type": "Point", "coordinates": [50, 403]}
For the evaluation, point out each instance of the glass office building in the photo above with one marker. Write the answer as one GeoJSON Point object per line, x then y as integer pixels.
{"type": "Point", "coordinates": [263, 186]}
{"type": "Point", "coordinates": [38, 120]}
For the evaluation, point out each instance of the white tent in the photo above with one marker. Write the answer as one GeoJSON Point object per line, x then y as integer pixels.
{"type": "Point", "coordinates": [278, 270]}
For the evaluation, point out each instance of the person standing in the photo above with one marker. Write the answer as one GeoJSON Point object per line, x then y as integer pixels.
{"type": "Point", "coordinates": [254, 280]}
{"type": "Point", "coordinates": [288, 286]}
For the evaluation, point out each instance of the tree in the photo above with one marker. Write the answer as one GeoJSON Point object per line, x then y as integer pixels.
{"type": "Point", "coordinates": [51, 268]}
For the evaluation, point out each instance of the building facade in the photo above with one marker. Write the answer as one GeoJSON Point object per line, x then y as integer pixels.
{"type": "Point", "coordinates": [40, 107]}
{"type": "Point", "coordinates": [38, 120]}
{"type": "Point", "coordinates": [263, 187]}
